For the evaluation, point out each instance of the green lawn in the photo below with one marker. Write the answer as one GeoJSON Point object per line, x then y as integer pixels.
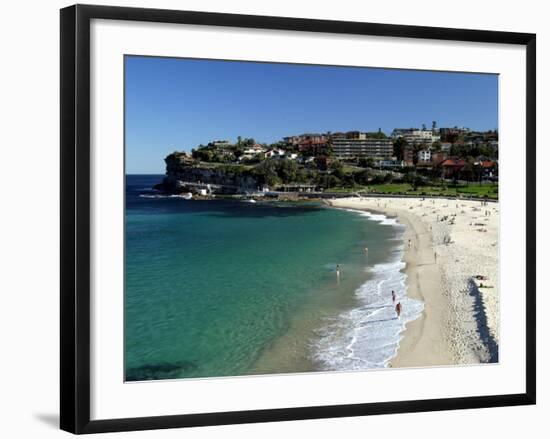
{"type": "Point", "coordinates": [476, 190]}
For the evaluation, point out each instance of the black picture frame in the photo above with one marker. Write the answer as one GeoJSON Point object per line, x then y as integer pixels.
{"type": "Point", "coordinates": [75, 217]}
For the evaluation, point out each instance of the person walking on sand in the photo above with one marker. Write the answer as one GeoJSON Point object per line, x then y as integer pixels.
{"type": "Point", "coordinates": [409, 243]}
{"type": "Point", "coordinates": [393, 296]}
{"type": "Point", "coordinates": [398, 309]}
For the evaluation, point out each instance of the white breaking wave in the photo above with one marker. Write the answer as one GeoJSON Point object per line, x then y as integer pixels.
{"type": "Point", "coordinates": [381, 218]}
{"type": "Point", "coordinates": [159, 196]}
{"type": "Point", "coordinates": [368, 336]}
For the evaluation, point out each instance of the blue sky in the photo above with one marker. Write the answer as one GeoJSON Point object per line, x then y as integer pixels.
{"type": "Point", "coordinates": [176, 104]}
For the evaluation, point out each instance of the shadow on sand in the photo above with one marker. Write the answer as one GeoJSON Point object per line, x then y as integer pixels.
{"type": "Point", "coordinates": [481, 319]}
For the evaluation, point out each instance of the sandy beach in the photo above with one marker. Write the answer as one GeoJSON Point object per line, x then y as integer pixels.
{"type": "Point", "coordinates": [451, 256]}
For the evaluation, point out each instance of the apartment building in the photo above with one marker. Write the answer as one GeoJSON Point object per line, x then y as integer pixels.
{"type": "Point", "coordinates": [356, 145]}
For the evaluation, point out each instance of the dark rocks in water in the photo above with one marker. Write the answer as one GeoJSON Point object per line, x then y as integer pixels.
{"type": "Point", "coordinates": [160, 371]}
{"type": "Point", "coordinates": [223, 181]}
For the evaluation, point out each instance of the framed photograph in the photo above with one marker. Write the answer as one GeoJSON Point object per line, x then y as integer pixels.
{"type": "Point", "coordinates": [268, 218]}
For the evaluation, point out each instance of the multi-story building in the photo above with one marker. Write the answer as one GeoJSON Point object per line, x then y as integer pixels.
{"type": "Point", "coordinates": [400, 132]}
{"type": "Point", "coordinates": [293, 140]}
{"type": "Point", "coordinates": [415, 136]}
{"type": "Point", "coordinates": [356, 145]}
{"type": "Point", "coordinates": [424, 155]}
{"type": "Point", "coordinates": [408, 156]}
{"type": "Point", "coordinates": [313, 144]}
{"type": "Point", "coordinates": [309, 143]}
{"type": "Point", "coordinates": [305, 139]}
{"type": "Point", "coordinates": [451, 134]}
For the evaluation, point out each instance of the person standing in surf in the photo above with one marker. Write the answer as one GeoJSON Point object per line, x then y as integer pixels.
{"type": "Point", "coordinates": [398, 309]}
{"type": "Point", "coordinates": [393, 296]}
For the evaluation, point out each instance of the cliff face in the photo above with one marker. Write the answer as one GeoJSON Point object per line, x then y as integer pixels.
{"type": "Point", "coordinates": [184, 175]}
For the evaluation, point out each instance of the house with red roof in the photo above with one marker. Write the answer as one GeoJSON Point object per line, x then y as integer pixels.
{"type": "Point", "coordinates": [487, 169]}
{"type": "Point", "coordinates": [451, 167]}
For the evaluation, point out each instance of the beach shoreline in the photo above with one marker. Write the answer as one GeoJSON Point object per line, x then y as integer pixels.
{"type": "Point", "coordinates": [459, 323]}
{"type": "Point", "coordinates": [319, 337]}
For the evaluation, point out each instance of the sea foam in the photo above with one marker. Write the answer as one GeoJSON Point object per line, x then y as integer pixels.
{"type": "Point", "coordinates": [368, 336]}
{"type": "Point", "coordinates": [159, 196]}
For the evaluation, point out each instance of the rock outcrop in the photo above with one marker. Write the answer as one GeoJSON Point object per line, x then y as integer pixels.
{"type": "Point", "coordinates": [183, 174]}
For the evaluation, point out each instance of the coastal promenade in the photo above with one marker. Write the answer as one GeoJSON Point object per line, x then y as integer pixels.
{"type": "Point", "coordinates": [451, 255]}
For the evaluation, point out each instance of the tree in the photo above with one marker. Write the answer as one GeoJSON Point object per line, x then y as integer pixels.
{"type": "Point", "coordinates": [222, 158]}
{"type": "Point", "coordinates": [468, 171]}
{"type": "Point", "coordinates": [399, 148]}
{"type": "Point", "coordinates": [301, 175]}
{"type": "Point", "coordinates": [202, 154]}
{"type": "Point", "coordinates": [337, 169]}
{"type": "Point", "coordinates": [377, 134]}
{"type": "Point", "coordinates": [362, 177]}
{"type": "Point", "coordinates": [455, 150]}
{"type": "Point", "coordinates": [331, 181]}
{"type": "Point", "coordinates": [413, 179]}
{"type": "Point", "coordinates": [328, 150]}
{"type": "Point", "coordinates": [488, 151]}
{"type": "Point", "coordinates": [349, 180]}
{"type": "Point", "coordinates": [266, 172]}
{"type": "Point", "coordinates": [287, 170]}
{"type": "Point", "coordinates": [238, 150]}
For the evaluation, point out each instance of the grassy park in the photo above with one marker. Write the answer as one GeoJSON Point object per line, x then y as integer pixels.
{"type": "Point", "coordinates": [487, 190]}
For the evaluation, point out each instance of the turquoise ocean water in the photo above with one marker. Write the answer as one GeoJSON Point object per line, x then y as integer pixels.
{"type": "Point", "coordinates": [225, 288]}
